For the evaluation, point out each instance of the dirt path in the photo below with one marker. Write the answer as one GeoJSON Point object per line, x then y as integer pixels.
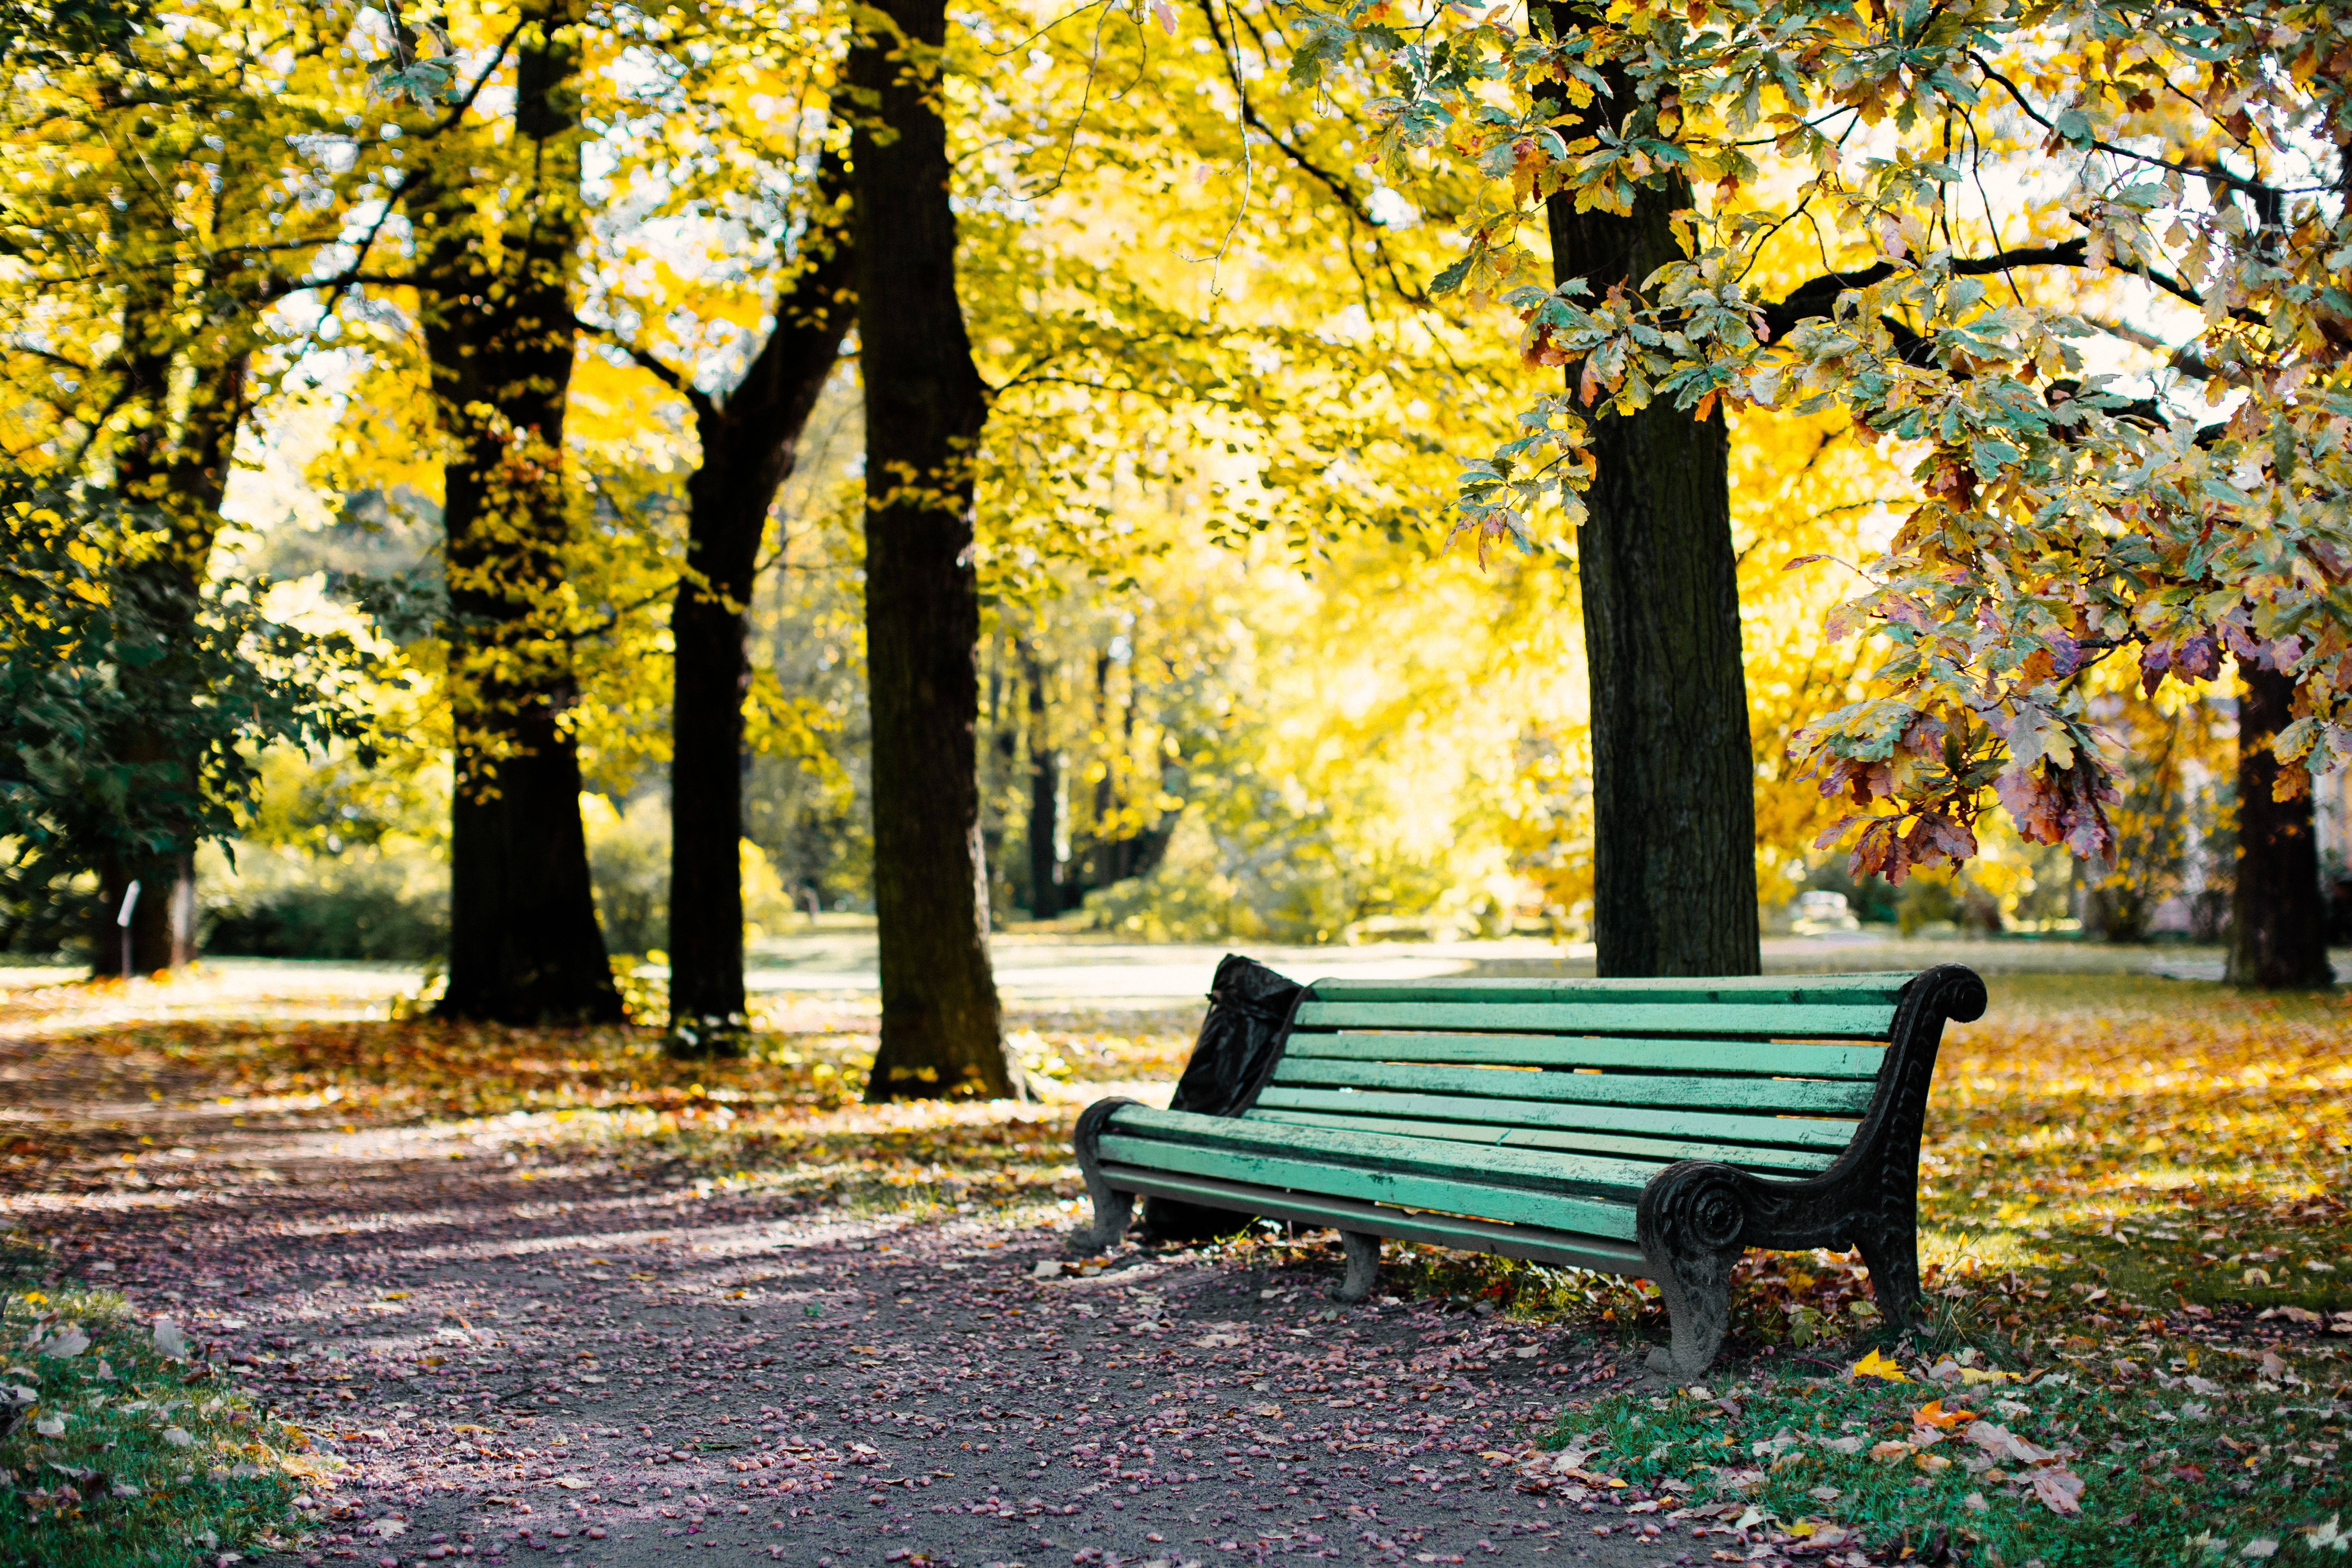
{"type": "Point", "coordinates": [517, 1364]}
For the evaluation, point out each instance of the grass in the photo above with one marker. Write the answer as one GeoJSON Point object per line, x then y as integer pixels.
{"type": "Point", "coordinates": [2168, 1476]}
{"type": "Point", "coordinates": [126, 1455]}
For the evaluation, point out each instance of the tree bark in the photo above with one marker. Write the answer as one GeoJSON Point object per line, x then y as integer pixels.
{"type": "Point", "coordinates": [2278, 929]}
{"type": "Point", "coordinates": [925, 405]}
{"type": "Point", "coordinates": [180, 467]}
{"type": "Point", "coordinates": [1673, 773]}
{"type": "Point", "coordinates": [524, 945]}
{"type": "Point", "coordinates": [750, 443]}
{"type": "Point", "coordinates": [1044, 797]}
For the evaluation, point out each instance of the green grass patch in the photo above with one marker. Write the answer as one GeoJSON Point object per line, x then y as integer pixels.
{"type": "Point", "coordinates": [2184, 1456]}
{"type": "Point", "coordinates": [118, 1456]}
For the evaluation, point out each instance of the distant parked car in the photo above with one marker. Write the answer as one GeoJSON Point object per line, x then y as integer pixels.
{"type": "Point", "coordinates": [1819, 910]}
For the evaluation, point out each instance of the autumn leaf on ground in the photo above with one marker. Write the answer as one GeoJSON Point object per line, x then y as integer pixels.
{"type": "Point", "coordinates": [2003, 1444]}
{"type": "Point", "coordinates": [2061, 1491]}
{"type": "Point", "coordinates": [1933, 1413]}
{"type": "Point", "coordinates": [1876, 1364]}
{"type": "Point", "coordinates": [65, 1343]}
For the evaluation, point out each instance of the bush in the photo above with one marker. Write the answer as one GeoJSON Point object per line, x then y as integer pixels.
{"type": "Point", "coordinates": [628, 855]}
{"type": "Point", "coordinates": [386, 902]}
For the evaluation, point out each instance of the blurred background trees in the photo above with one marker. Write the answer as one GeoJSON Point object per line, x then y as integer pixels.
{"type": "Point", "coordinates": [440, 461]}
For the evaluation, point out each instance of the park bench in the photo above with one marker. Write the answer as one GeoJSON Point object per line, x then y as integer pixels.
{"type": "Point", "coordinates": [1650, 1128]}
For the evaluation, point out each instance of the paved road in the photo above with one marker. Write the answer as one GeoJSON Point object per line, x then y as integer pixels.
{"type": "Point", "coordinates": [1037, 968]}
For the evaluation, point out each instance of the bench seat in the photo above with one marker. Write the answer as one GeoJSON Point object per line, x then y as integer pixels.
{"type": "Point", "coordinates": [1650, 1128]}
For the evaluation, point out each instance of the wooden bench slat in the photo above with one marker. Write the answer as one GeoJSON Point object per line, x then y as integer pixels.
{"type": "Point", "coordinates": [1776, 1162]}
{"type": "Point", "coordinates": [1612, 1175]}
{"type": "Point", "coordinates": [1884, 988]}
{"type": "Point", "coordinates": [1829, 1096]}
{"type": "Point", "coordinates": [1402, 1188]}
{"type": "Point", "coordinates": [1763, 1132]}
{"type": "Point", "coordinates": [1769, 1059]}
{"type": "Point", "coordinates": [1541, 1243]}
{"type": "Point", "coordinates": [1870, 1021]}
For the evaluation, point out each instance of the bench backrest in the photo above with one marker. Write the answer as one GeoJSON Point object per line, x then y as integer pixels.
{"type": "Point", "coordinates": [1769, 1074]}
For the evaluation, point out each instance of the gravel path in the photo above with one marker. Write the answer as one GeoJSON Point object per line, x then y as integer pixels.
{"type": "Point", "coordinates": [505, 1363]}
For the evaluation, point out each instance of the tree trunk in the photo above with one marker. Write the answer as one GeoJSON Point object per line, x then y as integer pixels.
{"type": "Point", "coordinates": [524, 946]}
{"type": "Point", "coordinates": [1044, 797]}
{"type": "Point", "coordinates": [925, 405]}
{"type": "Point", "coordinates": [2278, 930]}
{"type": "Point", "coordinates": [181, 469]}
{"type": "Point", "coordinates": [749, 446]}
{"type": "Point", "coordinates": [1672, 775]}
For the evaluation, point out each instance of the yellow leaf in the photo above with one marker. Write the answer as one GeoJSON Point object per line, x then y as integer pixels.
{"type": "Point", "coordinates": [1875, 1364]}
{"type": "Point", "coordinates": [1933, 1413]}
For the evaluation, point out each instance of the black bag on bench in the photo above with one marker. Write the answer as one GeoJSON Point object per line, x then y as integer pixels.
{"type": "Point", "coordinates": [1250, 1008]}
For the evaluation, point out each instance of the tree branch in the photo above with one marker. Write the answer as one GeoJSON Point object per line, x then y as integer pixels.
{"type": "Point", "coordinates": [1816, 295]}
{"type": "Point", "coordinates": [705, 407]}
{"type": "Point", "coordinates": [1341, 190]}
{"type": "Point", "coordinates": [2272, 194]}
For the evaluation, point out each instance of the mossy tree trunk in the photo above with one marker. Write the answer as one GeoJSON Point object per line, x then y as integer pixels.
{"type": "Point", "coordinates": [524, 945]}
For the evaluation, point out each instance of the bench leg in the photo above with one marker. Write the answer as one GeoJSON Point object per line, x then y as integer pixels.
{"type": "Point", "coordinates": [1113, 1213]}
{"type": "Point", "coordinates": [1114, 1210]}
{"type": "Point", "coordinates": [1698, 1290]}
{"type": "Point", "coordinates": [1892, 1256]}
{"type": "Point", "coordinates": [1363, 1266]}
{"type": "Point", "coordinates": [1688, 1227]}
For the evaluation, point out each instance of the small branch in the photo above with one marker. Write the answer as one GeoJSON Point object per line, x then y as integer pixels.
{"type": "Point", "coordinates": [2272, 194]}
{"type": "Point", "coordinates": [705, 407]}
{"type": "Point", "coordinates": [1341, 190]}
{"type": "Point", "coordinates": [2185, 360]}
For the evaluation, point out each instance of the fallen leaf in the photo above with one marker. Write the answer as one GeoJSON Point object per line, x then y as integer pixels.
{"type": "Point", "coordinates": [1888, 1452]}
{"type": "Point", "coordinates": [2003, 1444]}
{"type": "Point", "coordinates": [178, 1436]}
{"type": "Point", "coordinates": [66, 1343]}
{"type": "Point", "coordinates": [1876, 1364]}
{"type": "Point", "coordinates": [570, 1483]}
{"type": "Point", "coordinates": [1933, 1413]}
{"type": "Point", "coordinates": [170, 1342]}
{"type": "Point", "coordinates": [2060, 1490]}
{"type": "Point", "coordinates": [1590, 1480]}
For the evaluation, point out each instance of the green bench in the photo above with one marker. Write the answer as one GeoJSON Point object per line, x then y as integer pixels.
{"type": "Point", "coordinates": [1654, 1127]}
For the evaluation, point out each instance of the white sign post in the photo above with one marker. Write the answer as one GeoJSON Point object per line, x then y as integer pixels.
{"type": "Point", "coordinates": [122, 920]}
